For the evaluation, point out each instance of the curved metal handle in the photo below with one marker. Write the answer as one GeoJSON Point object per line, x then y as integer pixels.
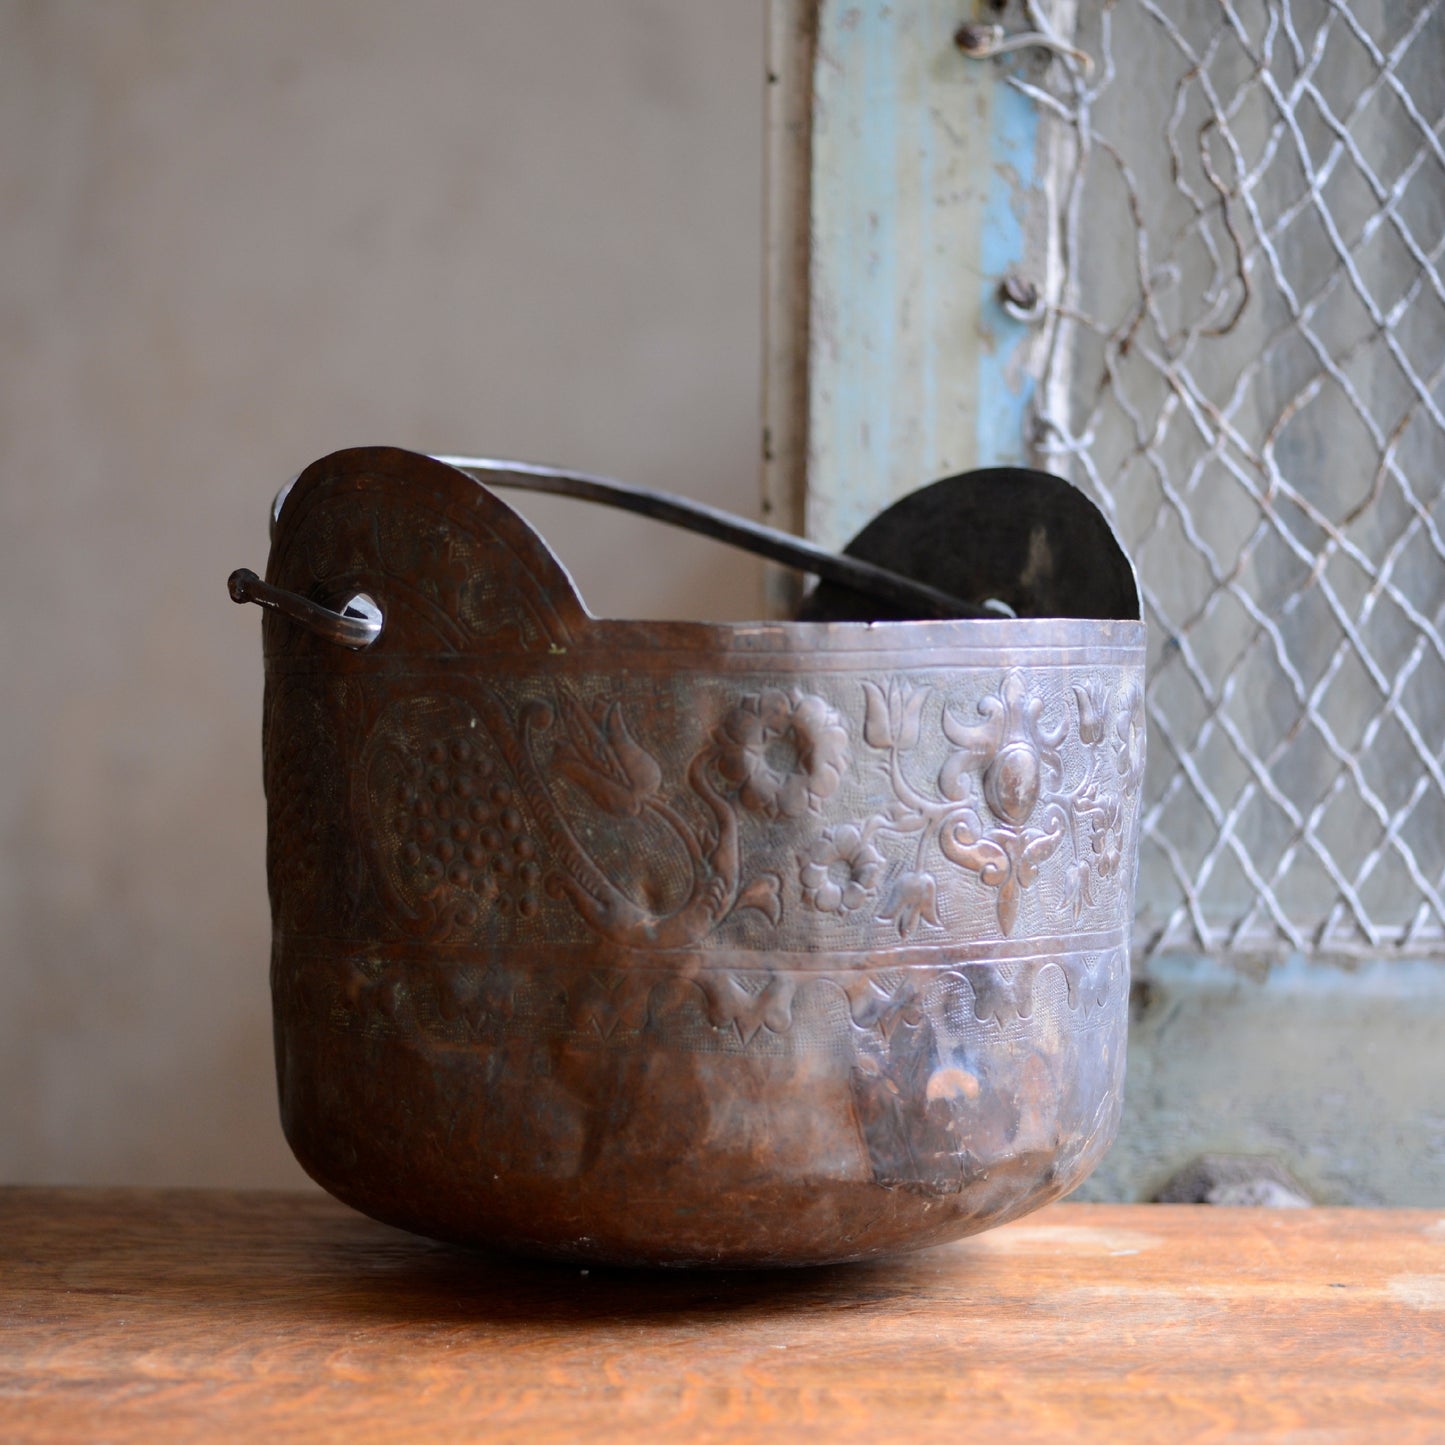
{"type": "Point", "coordinates": [918, 597]}
{"type": "Point", "coordinates": [357, 625]}
{"type": "Point", "coordinates": [691, 516]}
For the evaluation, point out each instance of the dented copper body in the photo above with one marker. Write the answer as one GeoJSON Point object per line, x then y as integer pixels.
{"type": "Point", "coordinates": [678, 943]}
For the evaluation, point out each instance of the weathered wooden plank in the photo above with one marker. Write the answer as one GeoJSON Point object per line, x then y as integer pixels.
{"type": "Point", "coordinates": [136, 1316]}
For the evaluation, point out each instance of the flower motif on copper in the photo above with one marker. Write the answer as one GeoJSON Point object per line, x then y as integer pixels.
{"type": "Point", "coordinates": [784, 752]}
{"type": "Point", "coordinates": [840, 870]}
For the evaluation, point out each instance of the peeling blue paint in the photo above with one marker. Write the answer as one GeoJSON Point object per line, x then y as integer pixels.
{"type": "Point", "coordinates": [922, 165]}
{"type": "Point", "coordinates": [1004, 391]}
{"type": "Point", "coordinates": [864, 42]}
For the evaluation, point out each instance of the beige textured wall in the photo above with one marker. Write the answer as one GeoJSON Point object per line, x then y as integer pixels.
{"type": "Point", "coordinates": [235, 237]}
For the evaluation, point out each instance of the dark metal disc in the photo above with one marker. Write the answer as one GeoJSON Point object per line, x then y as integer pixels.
{"type": "Point", "coordinates": [1003, 534]}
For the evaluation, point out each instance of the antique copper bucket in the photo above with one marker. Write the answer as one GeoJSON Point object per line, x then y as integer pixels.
{"type": "Point", "coordinates": [680, 943]}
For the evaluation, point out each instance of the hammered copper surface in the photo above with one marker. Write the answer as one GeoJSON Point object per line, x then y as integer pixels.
{"type": "Point", "coordinates": [682, 943]}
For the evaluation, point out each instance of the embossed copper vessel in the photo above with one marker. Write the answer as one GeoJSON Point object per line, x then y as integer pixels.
{"type": "Point", "coordinates": [678, 943]}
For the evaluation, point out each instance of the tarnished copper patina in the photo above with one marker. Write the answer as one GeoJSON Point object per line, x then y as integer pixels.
{"type": "Point", "coordinates": [679, 943]}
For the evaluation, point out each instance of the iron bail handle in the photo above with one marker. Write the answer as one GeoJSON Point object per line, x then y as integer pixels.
{"type": "Point", "coordinates": [358, 625]}
{"type": "Point", "coordinates": [360, 621]}
{"type": "Point", "coordinates": [755, 537]}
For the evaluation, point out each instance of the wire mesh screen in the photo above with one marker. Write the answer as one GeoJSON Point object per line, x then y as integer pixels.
{"type": "Point", "coordinates": [1244, 365]}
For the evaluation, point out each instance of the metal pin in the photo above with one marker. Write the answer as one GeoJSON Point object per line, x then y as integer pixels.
{"type": "Point", "coordinates": [983, 42]}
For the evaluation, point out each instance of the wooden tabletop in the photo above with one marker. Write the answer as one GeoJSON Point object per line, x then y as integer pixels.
{"type": "Point", "coordinates": [145, 1315]}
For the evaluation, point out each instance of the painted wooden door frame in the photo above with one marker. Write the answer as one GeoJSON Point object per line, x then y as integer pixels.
{"type": "Point", "coordinates": [906, 189]}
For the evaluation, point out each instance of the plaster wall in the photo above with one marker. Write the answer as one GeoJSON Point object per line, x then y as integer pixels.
{"type": "Point", "coordinates": [237, 237]}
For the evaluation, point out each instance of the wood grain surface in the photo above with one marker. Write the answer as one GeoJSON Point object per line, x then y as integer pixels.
{"type": "Point", "coordinates": [137, 1315]}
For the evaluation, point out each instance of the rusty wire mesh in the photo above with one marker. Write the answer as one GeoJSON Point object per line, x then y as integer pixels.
{"type": "Point", "coordinates": [1243, 364]}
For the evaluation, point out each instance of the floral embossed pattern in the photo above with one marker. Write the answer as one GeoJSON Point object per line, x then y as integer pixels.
{"type": "Point", "coordinates": [783, 752]}
{"type": "Point", "coordinates": [496, 809]}
{"type": "Point", "coordinates": [841, 870]}
{"type": "Point", "coordinates": [1001, 807]}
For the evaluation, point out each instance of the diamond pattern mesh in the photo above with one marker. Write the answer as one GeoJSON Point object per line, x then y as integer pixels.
{"type": "Point", "coordinates": [1244, 362]}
